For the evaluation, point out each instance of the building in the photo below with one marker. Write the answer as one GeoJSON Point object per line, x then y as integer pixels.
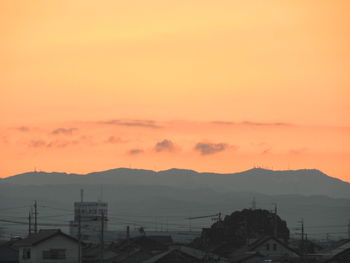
{"type": "Point", "coordinates": [183, 254]}
{"type": "Point", "coordinates": [48, 246]}
{"type": "Point", "coordinates": [91, 218]}
{"type": "Point", "coordinates": [272, 247]}
{"type": "Point", "coordinates": [265, 249]}
{"type": "Point", "coordinates": [8, 251]}
{"type": "Point", "coordinates": [340, 254]}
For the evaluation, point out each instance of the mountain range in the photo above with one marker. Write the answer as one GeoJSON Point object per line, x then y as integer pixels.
{"type": "Point", "coordinates": [301, 182]}
{"type": "Point", "coordinates": [155, 199]}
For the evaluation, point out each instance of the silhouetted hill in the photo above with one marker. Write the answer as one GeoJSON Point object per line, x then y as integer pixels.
{"type": "Point", "coordinates": [237, 228]}
{"type": "Point", "coordinates": [302, 182]}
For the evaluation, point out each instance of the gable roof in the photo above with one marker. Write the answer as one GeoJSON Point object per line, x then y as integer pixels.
{"type": "Point", "coordinates": [262, 240]}
{"type": "Point", "coordinates": [141, 242]}
{"type": "Point", "coordinates": [188, 252]}
{"type": "Point", "coordinates": [166, 240]}
{"type": "Point", "coordinates": [41, 236]}
{"type": "Point", "coordinates": [246, 256]}
{"type": "Point", "coordinates": [344, 246]}
{"type": "Point", "coordinates": [341, 251]}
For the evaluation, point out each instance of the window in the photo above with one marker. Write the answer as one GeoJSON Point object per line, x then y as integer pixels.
{"type": "Point", "coordinates": [54, 254]}
{"type": "Point", "coordinates": [275, 246]}
{"type": "Point", "coordinates": [26, 253]}
{"type": "Point", "coordinates": [267, 246]}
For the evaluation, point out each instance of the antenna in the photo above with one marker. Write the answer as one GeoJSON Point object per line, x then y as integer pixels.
{"type": "Point", "coordinates": [301, 222]}
{"type": "Point", "coordinates": [253, 203]}
{"type": "Point", "coordinates": [101, 194]}
{"type": "Point", "coordinates": [102, 237]}
{"type": "Point", "coordinates": [275, 221]}
{"type": "Point", "coordinates": [81, 195]}
{"type": "Point", "coordinates": [30, 222]}
{"type": "Point", "coordinates": [128, 232]}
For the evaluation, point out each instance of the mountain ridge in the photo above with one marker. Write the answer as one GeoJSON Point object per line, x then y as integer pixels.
{"type": "Point", "coordinates": [171, 171]}
{"type": "Point", "coordinates": [302, 181]}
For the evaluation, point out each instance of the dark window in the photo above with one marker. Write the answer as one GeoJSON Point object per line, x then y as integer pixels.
{"type": "Point", "coordinates": [267, 246]}
{"type": "Point", "coordinates": [54, 254]}
{"type": "Point", "coordinates": [26, 253]}
{"type": "Point", "coordinates": [274, 246]}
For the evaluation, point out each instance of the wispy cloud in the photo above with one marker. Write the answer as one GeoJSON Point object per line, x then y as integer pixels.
{"type": "Point", "coordinates": [266, 151]}
{"type": "Point", "coordinates": [52, 144]}
{"type": "Point", "coordinates": [298, 151]}
{"type": "Point", "coordinates": [37, 143]}
{"type": "Point", "coordinates": [114, 140]}
{"type": "Point", "coordinates": [252, 123]}
{"type": "Point", "coordinates": [135, 151]}
{"type": "Point", "coordinates": [23, 129]}
{"type": "Point", "coordinates": [165, 145]}
{"type": "Point", "coordinates": [210, 148]}
{"type": "Point", "coordinates": [132, 123]}
{"type": "Point", "coordinates": [224, 122]}
{"type": "Point", "coordinates": [61, 143]}
{"type": "Point", "coordinates": [64, 131]}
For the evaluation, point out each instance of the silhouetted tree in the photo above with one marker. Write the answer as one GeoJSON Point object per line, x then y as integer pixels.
{"type": "Point", "coordinates": [241, 226]}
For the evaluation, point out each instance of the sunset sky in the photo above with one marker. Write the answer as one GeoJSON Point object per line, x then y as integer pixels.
{"type": "Point", "coordinates": [209, 85]}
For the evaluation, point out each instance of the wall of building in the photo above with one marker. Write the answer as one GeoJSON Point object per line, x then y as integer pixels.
{"type": "Point", "coordinates": [90, 214]}
{"type": "Point", "coordinates": [279, 252]}
{"type": "Point", "coordinates": [56, 242]}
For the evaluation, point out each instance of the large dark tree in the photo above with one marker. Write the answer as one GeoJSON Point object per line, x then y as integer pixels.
{"type": "Point", "coordinates": [240, 227]}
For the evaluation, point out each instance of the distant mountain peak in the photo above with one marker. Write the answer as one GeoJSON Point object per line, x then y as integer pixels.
{"type": "Point", "coordinates": [177, 171]}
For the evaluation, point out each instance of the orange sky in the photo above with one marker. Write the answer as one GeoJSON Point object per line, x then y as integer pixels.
{"type": "Point", "coordinates": [220, 85]}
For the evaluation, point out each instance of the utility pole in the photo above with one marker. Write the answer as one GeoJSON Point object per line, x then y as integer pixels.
{"type": "Point", "coordinates": [79, 236]}
{"type": "Point", "coordinates": [30, 222]}
{"type": "Point", "coordinates": [127, 232]}
{"type": "Point", "coordinates": [35, 217]}
{"type": "Point", "coordinates": [102, 237]}
{"type": "Point", "coordinates": [301, 222]}
{"type": "Point", "coordinates": [79, 226]}
{"type": "Point", "coordinates": [253, 203]}
{"type": "Point", "coordinates": [275, 221]}
{"type": "Point", "coordinates": [246, 231]}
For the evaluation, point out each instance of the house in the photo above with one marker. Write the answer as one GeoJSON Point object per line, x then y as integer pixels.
{"type": "Point", "coordinates": [183, 254]}
{"type": "Point", "coordinates": [46, 246]}
{"type": "Point", "coordinates": [273, 248]}
{"type": "Point", "coordinates": [8, 252]}
{"type": "Point", "coordinates": [92, 254]}
{"type": "Point", "coordinates": [138, 249]}
{"type": "Point", "coordinates": [132, 250]}
{"type": "Point", "coordinates": [245, 256]}
{"type": "Point", "coordinates": [340, 254]}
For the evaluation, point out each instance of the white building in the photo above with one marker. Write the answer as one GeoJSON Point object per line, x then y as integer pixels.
{"type": "Point", "coordinates": [48, 246]}
{"type": "Point", "coordinates": [92, 218]}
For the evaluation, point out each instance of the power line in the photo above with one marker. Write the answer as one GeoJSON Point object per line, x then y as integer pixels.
{"type": "Point", "coordinates": [12, 208]}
